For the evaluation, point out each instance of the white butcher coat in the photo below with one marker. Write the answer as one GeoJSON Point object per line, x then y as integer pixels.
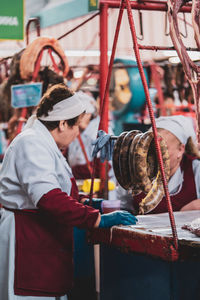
{"type": "Point", "coordinates": [75, 153]}
{"type": "Point", "coordinates": [21, 171]}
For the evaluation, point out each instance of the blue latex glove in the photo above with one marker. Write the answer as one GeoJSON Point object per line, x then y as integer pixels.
{"type": "Point", "coordinates": [96, 203]}
{"type": "Point", "coordinates": [104, 144]}
{"type": "Point", "coordinates": [119, 217]}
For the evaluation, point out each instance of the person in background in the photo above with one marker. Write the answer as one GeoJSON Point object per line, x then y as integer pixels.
{"type": "Point", "coordinates": [80, 162]}
{"type": "Point", "coordinates": [41, 204]}
{"type": "Point", "coordinates": [184, 183]}
{"type": "Point", "coordinates": [70, 78]}
{"type": "Point", "coordinates": [88, 127]}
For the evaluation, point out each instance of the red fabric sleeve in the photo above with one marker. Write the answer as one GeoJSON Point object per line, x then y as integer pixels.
{"type": "Point", "coordinates": [66, 210]}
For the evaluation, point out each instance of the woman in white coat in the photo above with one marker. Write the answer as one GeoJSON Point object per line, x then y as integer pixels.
{"type": "Point", "coordinates": [41, 203]}
{"type": "Point", "coordinates": [184, 183]}
{"type": "Point", "coordinates": [79, 156]}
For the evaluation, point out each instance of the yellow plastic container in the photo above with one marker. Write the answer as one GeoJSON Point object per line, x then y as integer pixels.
{"type": "Point", "coordinates": [85, 187]}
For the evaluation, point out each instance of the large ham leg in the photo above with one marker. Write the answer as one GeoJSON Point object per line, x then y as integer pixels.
{"type": "Point", "coordinates": [31, 53]}
{"type": "Point", "coordinates": [192, 71]}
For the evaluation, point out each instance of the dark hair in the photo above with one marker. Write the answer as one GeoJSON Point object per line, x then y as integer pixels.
{"type": "Point", "coordinates": [53, 95]}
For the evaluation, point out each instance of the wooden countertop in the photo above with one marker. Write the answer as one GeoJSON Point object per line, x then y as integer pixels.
{"type": "Point", "coordinates": [152, 235]}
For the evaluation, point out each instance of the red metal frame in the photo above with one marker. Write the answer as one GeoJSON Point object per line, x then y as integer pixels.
{"type": "Point", "coordinates": [36, 21]}
{"type": "Point", "coordinates": [104, 5]}
{"type": "Point", "coordinates": [53, 61]}
{"type": "Point", "coordinates": [154, 129]}
{"type": "Point", "coordinates": [78, 26]}
{"type": "Point", "coordinates": [137, 241]}
{"type": "Point", "coordinates": [148, 47]}
{"type": "Point", "coordinates": [145, 5]}
{"type": "Point", "coordinates": [103, 75]}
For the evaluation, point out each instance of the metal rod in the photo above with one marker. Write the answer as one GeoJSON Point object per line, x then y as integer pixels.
{"type": "Point", "coordinates": [143, 47]}
{"type": "Point", "coordinates": [151, 113]}
{"type": "Point", "coordinates": [81, 24]}
{"type": "Point", "coordinates": [103, 124]}
{"type": "Point", "coordinates": [145, 5]}
{"type": "Point", "coordinates": [37, 25]}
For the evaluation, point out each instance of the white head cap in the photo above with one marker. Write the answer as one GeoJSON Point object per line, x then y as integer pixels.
{"type": "Point", "coordinates": [88, 102]}
{"type": "Point", "coordinates": [182, 127]}
{"type": "Point", "coordinates": [66, 109]}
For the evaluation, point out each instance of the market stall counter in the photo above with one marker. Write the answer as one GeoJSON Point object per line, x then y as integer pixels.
{"type": "Point", "coordinates": [140, 261]}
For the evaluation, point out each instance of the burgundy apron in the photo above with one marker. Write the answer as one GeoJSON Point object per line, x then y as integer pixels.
{"type": "Point", "coordinates": [186, 194]}
{"type": "Point", "coordinates": [43, 254]}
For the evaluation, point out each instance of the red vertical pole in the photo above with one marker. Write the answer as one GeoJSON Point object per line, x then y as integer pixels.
{"type": "Point", "coordinates": [37, 25]}
{"type": "Point", "coordinates": [157, 145]}
{"type": "Point", "coordinates": [103, 61]}
{"type": "Point", "coordinates": [103, 78]}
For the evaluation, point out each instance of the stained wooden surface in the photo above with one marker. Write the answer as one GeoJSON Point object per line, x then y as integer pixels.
{"type": "Point", "coordinates": [159, 224]}
{"type": "Point", "coordinates": [152, 235]}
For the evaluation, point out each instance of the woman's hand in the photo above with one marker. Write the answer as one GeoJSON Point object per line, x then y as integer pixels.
{"type": "Point", "coordinates": [119, 217]}
{"type": "Point", "coordinates": [193, 205]}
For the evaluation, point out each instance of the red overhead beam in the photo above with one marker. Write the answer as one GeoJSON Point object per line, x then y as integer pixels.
{"type": "Point", "coordinates": [144, 47]}
{"type": "Point", "coordinates": [145, 5]}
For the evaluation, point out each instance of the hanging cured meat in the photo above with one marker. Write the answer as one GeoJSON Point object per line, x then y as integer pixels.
{"type": "Point", "coordinates": [193, 227]}
{"type": "Point", "coordinates": [192, 71]}
{"type": "Point", "coordinates": [136, 167]}
{"type": "Point", "coordinates": [31, 54]}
